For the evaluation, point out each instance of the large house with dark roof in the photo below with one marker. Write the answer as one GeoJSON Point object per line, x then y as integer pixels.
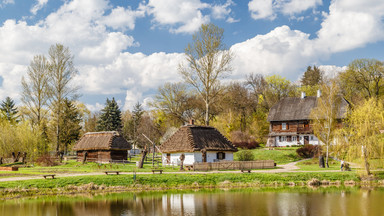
{"type": "Point", "coordinates": [102, 147]}
{"type": "Point", "coordinates": [290, 122]}
{"type": "Point", "coordinates": [198, 144]}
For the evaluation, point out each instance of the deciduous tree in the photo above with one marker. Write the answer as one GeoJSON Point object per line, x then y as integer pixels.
{"type": "Point", "coordinates": [208, 61]}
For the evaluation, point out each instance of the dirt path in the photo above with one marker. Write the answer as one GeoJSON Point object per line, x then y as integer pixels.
{"type": "Point", "coordinates": [290, 167]}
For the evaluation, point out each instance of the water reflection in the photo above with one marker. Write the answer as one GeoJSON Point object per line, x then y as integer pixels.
{"type": "Point", "coordinates": [205, 203]}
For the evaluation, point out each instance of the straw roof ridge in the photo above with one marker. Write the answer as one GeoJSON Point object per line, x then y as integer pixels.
{"type": "Point", "coordinates": [104, 140]}
{"type": "Point", "coordinates": [192, 138]}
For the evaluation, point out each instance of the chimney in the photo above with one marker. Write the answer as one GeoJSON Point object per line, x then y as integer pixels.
{"type": "Point", "coordinates": [191, 122]}
{"type": "Point", "coordinates": [303, 95]}
{"type": "Point", "coordinates": [318, 93]}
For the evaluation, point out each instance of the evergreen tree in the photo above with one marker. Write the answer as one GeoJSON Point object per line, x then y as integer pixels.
{"type": "Point", "coordinates": [110, 118]}
{"type": "Point", "coordinates": [69, 124]}
{"type": "Point", "coordinates": [9, 110]}
{"type": "Point", "coordinates": [313, 76]}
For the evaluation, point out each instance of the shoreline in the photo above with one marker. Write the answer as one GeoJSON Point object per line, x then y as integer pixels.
{"type": "Point", "coordinates": [89, 184]}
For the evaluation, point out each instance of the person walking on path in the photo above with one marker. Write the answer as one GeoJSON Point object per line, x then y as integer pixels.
{"type": "Point", "coordinates": [341, 165]}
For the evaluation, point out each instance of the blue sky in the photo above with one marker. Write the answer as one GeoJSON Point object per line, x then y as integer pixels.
{"type": "Point", "coordinates": [127, 49]}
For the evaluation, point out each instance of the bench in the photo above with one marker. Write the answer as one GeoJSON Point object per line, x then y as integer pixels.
{"type": "Point", "coordinates": [157, 170]}
{"type": "Point", "coordinates": [246, 170]}
{"type": "Point", "coordinates": [52, 175]}
{"type": "Point", "coordinates": [117, 172]}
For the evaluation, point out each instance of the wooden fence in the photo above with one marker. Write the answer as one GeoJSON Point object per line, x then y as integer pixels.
{"type": "Point", "coordinates": [234, 165]}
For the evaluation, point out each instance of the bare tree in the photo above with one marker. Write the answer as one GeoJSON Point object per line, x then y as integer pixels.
{"type": "Point", "coordinates": [208, 61]}
{"type": "Point", "coordinates": [61, 73]}
{"type": "Point", "coordinates": [35, 88]}
{"type": "Point", "coordinates": [326, 114]}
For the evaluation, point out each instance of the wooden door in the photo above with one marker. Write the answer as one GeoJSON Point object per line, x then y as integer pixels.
{"type": "Point", "coordinates": [306, 140]}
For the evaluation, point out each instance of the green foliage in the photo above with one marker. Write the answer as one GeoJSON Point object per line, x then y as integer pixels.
{"type": "Point", "coordinates": [280, 156]}
{"type": "Point", "coordinates": [362, 133]}
{"type": "Point", "coordinates": [19, 138]}
{"type": "Point", "coordinates": [69, 124]}
{"type": "Point", "coordinates": [278, 87]}
{"type": "Point", "coordinates": [312, 76]}
{"type": "Point", "coordinates": [9, 110]}
{"type": "Point", "coordinates": [245, 155]}
{"type": "Point", "coordinates": [364, 78]}
{"type": "Point", "coordinates": [110, 118]}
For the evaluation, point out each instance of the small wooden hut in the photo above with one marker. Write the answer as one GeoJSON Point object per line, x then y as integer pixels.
{"type": "Point", "coordinates": [102, 147]}
{"type": "Point", "coordinates": [198, 144]}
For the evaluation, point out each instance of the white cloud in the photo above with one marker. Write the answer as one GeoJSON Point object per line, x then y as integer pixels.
{"type": "Point", "coordinates": [183, 16]}
{"type": "Point", "coordinates": [123, 19]}
{"type": "Point", "coordinates": [331, 71]}
{"type": "Point", "coordinates": [38, 6]}
{"type": "Point", "coordinates": [351, 24]}
{"type": "Point", "coordinates": [3, 3]}
{"type": "Point", "coordinates": [222, 11]}
{"type": "Point", "coordinates": [261, 9]}
{"type": "Point", "coordinates": [281, 51]}
{"type": "Point", "coordinates": [298, 6]}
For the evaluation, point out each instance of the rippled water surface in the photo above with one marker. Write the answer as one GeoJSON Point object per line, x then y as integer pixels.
{"type": "Point", "coordinates": [297, 201]}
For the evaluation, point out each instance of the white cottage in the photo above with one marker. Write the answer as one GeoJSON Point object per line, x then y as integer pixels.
{"type": "Point", "coordinates": [198, 144]}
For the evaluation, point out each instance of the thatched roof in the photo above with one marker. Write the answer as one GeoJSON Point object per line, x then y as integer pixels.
{"type": "Point", "coordinates": [105, 140]}
{"type": "Point", "coordinates": [192, 138]}
{"type": "Point", "coordinates": [296, 108]}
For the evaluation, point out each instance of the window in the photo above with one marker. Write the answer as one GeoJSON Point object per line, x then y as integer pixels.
{"type": "Point", "coordinates": [289, 138]}
{"type": "Point", "coordinates": [220, 155]}
{"type": "Point", "coordinates": [294, 139]}
{"type": "Point", "coordinates": [284, 126]}
{"type": "Point", "coordinates": [311, 137]}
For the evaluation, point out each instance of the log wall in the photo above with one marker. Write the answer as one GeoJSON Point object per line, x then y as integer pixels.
{"type": "Point", "coordinates": [102, 156]}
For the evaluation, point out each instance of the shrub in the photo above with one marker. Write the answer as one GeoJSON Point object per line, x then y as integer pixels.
{"type": "Point", "coordinates": [308, 151]}
{"type": "Point", "coordinates": [245, 155]}
{"type": "Point", "coordinates": [46, 160]}
{"type": "Point", "coordinates": [247, 145]}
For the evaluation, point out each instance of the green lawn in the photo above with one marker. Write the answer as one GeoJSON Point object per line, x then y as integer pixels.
{"type": "Point", "coordinates": [313, 165]}
{"type": "Point", "coordinates": [279, 155]}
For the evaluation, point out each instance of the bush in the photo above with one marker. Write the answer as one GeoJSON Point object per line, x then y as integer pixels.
{"type": "Point", "coordinates": [247, 145]}
{"type": "Point", "coordinates": [46, 160]}
{"type": "Point", "coordinates": [308, 151]}
{"type": "Point", "coordinates": [245, 155]}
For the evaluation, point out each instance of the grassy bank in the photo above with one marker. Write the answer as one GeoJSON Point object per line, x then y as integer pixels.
{"type": "Point", "coordinates": [105, 183]}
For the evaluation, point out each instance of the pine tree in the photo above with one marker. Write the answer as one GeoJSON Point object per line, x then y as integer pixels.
{"type": "Point", "coordinates": [69, 124]}
{"type": "Point", "coordinates": [9, 110]}
{"type": "Point", "coordinates": [110, 118]}
{"type": "Point", "coordinates": [313, 76]}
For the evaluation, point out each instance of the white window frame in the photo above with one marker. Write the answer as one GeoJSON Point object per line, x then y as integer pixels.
{"type": "Point", "coordinates": [283, 126]}
{"type": "Point", "coordinates": [294, 138]}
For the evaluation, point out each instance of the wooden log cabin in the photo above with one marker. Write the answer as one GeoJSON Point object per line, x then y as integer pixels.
{"type": "Point", "coordinates": [102, 147]}
{"type": "Point", "coordinates": [290, 122]}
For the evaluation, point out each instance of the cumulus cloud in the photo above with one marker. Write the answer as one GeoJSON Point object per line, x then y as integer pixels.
{"type": "Point", "coordinates": [186, 16]}
{"type": "Point", "coordinates": [351, 24]}
{"type": "Point", "coordinates": [5, 2]}
{"type": "Point", "coordinates": [261, 9]}
{"type": "Point", "coordinates": [38, 6]}
{"type": "Point", "coordinates": [298, 6]}
{"type": "Point", "coordinates": [282, 51]}
{"type": "Point", "coordinates": [123, 18]}
{"type": "Point", "coordinates": [268, 9]}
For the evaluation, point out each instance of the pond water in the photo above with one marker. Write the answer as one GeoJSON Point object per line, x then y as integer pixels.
{"type": "Point", "coordinates": [296, 201]}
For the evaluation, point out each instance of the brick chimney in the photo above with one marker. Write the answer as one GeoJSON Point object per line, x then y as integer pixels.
{"type": "Point", "coordinates": [303, 95]}
{"type": "Point", "coordinates": [191, 122]}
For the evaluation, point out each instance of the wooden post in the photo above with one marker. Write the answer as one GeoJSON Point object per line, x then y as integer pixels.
{"type": "Point", "coordinates": [85, 157]}
{"type": "Point", "coordinates": [182, 158]}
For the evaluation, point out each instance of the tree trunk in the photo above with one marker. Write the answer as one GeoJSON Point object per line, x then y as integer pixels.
{"type": "Point", "coordinates": [15, 158]}
{"type": "Point", "coordinates": [143, 155]}
{"type": "Point", "coordinates": [321, 161]}
{"type": "Point", "coordinates": [1, 160]}
{"type": "Point", "coordinates": [366, 163]}
{"type": "Point", "coordinates": [182, 158]}
{"type": "Point", "coordinates": [206, 113]}
{"type": "Point", "coordinates": [326, 159]}
{"type": "Point", "coordinates": [24, 157]}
